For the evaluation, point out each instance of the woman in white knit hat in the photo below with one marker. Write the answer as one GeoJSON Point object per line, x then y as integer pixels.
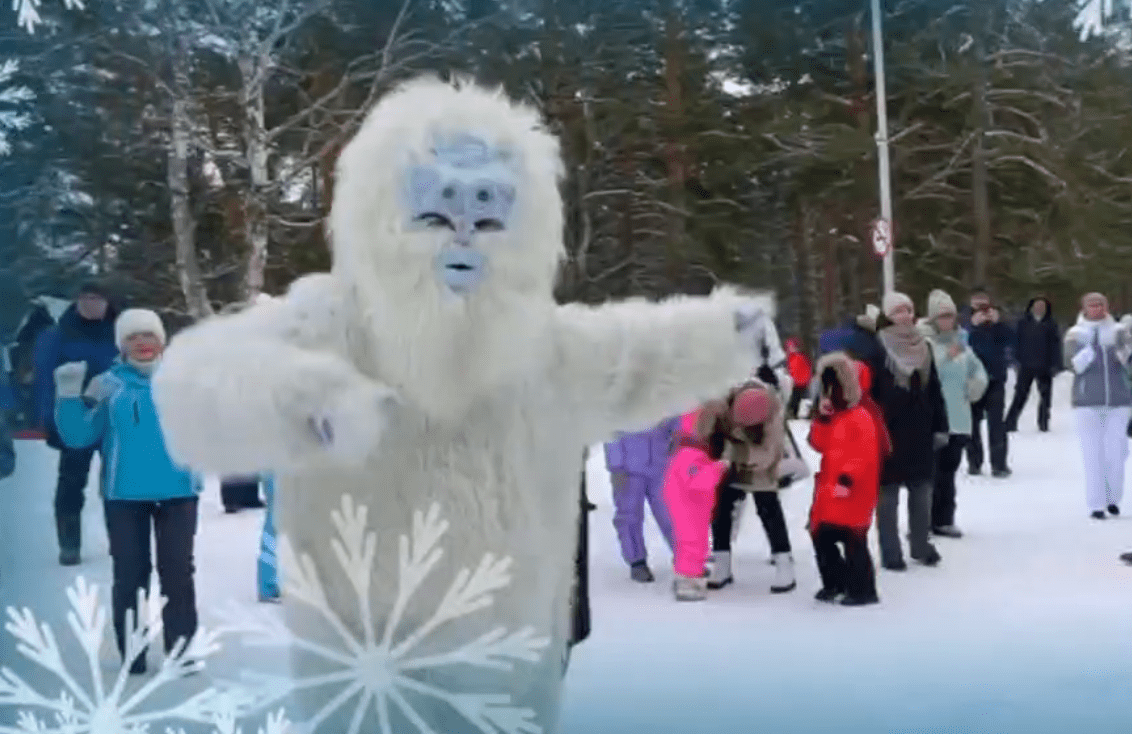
{"type": "Point", "coordinates": [145, 493]}
{"type": "Point", "coordinates": [963, 380]}
{"type": "Point", "coordinates": [906, 386]}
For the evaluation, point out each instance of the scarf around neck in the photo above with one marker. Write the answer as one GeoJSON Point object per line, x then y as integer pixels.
{"type": "Point", "coordinates": [907, 353]}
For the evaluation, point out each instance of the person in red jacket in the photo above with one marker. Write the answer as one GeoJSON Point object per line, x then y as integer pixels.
{"type": "Point", "coordinates": [852, 441]}
{"type": "Point", "coordinates": [801, 372]}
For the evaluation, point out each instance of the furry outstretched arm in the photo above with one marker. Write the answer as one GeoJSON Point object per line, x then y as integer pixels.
{"type": "Point", "coordinates": [269, 388]}
{"type": "Point", "coordinates": [630, 364]}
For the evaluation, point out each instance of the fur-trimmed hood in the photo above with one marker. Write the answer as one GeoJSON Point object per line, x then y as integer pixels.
{"type": "Point", "coordinates": [848, 375]}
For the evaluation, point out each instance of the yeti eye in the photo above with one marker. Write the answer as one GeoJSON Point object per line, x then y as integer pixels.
{"type": "Point", "coordinates": [483, 195]}
{"type": "Point", "coordinates": [489, 225]}
{"type": "Point", "coordinates": [435, 220]}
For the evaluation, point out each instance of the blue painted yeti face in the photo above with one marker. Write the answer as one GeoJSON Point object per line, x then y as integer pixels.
{"type": "Point", "coordinates": [468, 191]}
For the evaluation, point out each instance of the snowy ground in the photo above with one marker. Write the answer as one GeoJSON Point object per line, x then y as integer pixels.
{"type": "Point", "coordinates": [1024, 627]}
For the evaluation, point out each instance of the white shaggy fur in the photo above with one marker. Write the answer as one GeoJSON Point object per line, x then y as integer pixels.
{"type": "Point", "coordinates": [482, 404]}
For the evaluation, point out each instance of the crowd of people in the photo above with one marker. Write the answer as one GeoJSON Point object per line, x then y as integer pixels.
{"type": "Point", "coordinates": [896, 402]}
{"type": "Point", "coordinates": [893, 403]}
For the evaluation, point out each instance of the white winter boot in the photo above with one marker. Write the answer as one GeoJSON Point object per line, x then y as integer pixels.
{"type": "Point", "coordinates": [687, 588]}
{"type": "Point", "coordinates": [783, 574]}
{"type": "Point", "coordinates": [720, 575]}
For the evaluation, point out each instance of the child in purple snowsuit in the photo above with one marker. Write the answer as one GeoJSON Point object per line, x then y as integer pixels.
{"type": "Point", "coordinates": [636, 463]}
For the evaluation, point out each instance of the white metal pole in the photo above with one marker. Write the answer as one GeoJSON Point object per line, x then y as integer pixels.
{"type": "Point", "coordinates": [883, 165]}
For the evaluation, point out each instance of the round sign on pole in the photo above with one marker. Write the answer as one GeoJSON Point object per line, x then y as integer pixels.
{"type": "Point", "coordinates": [882, 237]}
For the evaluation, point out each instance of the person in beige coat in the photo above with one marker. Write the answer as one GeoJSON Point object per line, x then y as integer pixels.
{"type": "Point", "coordinates": [763, 461]}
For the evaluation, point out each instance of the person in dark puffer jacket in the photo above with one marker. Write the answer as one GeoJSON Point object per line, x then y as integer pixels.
{"type": "Point", "coordinates": [906, 386]}
{"type": "Point", "coordinates": [85, 333]}
{"type": "Point", "coordinates": [1038, 351]}
{"type": "Point", "coordinates": [989, 338]}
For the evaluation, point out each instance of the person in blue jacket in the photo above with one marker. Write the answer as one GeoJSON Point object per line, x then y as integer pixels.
{"type": "Point", "coordinates": [84, 333]}
{"type": "Point", "coordinates": [267, 565]}
{"type": "Point", "coordinates": [145, 493]}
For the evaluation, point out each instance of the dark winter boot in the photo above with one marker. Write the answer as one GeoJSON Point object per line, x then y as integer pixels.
{"type": "Point", "coordinates": [1126, 557]}
{"type": "Point", "coordinates": [930, 557]}
{"type": "Point", "coordinates": [1099, 515]}
{"type": "Point", "coordinates": [1113, 510]}
{"type": "Point", "coordinates": [859, 601]}
{"type": "Point", "coordinates": [827, 595]}
{"type": "Point", "coordinates": [948, 531]}
{"type": "Point", "coordinates": [1003, 473]}
{"type": "Point", "coordinates": [138, 667]}
{"type": "Point", "coordinates": [70, 531]}
{"type": "Point", "coordinates": [640, 573]}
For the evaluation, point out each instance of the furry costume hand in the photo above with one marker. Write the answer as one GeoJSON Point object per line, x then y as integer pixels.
{"type": "Point", "coordinates": [352, 421]}
{"type": "Point", "coordinates": [69, 380]}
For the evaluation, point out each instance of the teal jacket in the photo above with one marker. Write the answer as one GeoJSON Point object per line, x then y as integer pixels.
{"type": "Point", "coordinates": [117, 413]}
{"type": "Point", "coordinates": [963, 379]}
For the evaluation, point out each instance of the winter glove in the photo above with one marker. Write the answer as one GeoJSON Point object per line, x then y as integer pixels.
{"type": "Point", "coordinates": [941, 440]}
{"type": "Point", "coordinates": [353, 421]}
{"type": "Point", "coordinates": [69, 380]}
{"type": "Point", "coordinates": [1084, 358]}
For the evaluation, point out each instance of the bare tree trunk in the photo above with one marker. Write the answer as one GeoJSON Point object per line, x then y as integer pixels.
{"type": "Point", "coordinates": [177, 175]}
{"type": "Point", "coordinates": [811, 273]}
{"type": "Point", "coordinates": [674, 153]}
{"type": "Point", "coordinates": [979, 176]}
{"type": "Point", "coordinates": [256, 230]}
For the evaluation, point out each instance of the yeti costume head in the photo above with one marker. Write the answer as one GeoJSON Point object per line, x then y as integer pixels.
{"type": "Point", "coordinates": [447, 199]}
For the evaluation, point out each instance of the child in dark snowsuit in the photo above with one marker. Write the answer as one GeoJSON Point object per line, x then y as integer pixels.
{"type": "Point", "coordinates": [850, 435]}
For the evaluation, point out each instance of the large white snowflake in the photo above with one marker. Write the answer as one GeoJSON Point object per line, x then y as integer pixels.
{"type": "Point", "coordinates": [27, 12]}
{"type": "Point", "coordinates": [115, 706]}
{"type": "Point", "coordinates": [378, 669]}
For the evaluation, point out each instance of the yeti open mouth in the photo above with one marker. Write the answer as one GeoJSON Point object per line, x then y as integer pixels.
{"type": "Point", "coordinates": [462, 269]}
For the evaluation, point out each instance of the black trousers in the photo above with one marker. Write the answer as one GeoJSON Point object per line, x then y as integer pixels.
{"type": "Point", "coordinates": [173, 523]}
{"type": "Point", "coordinates": [581, 622]}
{"type": "Point", "coordinates": [851, 573]}
{"type": "Point", "coordinates": [1026, 379]}
{"type": "Point", "coordinates": [990, 407]}
{"type": "Point", "coordinates": [947, 463]}
{"type": "Point", "coordinates": [239, 494]}
{"type": "Point", "coordinates": [769, 507]}
{"type": "Point", "coordinates": [70, 488]}
{"type": "Point", "coordinates": [796, 396]}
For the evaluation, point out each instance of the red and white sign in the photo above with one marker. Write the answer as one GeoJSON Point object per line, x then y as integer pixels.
{"type": "Point", "coordinates": [882, 237]}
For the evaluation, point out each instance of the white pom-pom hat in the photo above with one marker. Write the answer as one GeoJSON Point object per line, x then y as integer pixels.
{"type": "Point", "coordinates": [137, 321]}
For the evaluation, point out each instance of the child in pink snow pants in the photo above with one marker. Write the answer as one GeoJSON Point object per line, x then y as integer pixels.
{"type": "Point", "coordinates": [690, 483]}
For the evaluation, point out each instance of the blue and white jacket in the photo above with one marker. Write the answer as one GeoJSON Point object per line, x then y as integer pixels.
{"type": "Point", "coordinates": [1098, 353]}
{"type": "Point", "coordinates": [117, 413]}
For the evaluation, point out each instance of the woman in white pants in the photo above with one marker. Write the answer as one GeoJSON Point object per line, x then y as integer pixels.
{"type": "Point", "coordinates": [1098, 349]}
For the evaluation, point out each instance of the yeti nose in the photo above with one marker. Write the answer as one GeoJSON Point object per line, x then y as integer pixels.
{"type": "Point", "coordinates": [464, 232]}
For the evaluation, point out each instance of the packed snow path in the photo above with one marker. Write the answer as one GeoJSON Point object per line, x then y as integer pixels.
{"type": "Point", "coordinates": [1023, 628]}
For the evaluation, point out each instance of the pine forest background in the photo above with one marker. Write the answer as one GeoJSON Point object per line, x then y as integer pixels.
{"type": "Point", "coordinates": [186, 148]}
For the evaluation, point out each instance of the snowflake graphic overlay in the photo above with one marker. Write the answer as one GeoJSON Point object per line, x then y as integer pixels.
{"type": "Point", "coordinates": [106, 707]}
{"type": "Point", "coordinates": [378, 669]}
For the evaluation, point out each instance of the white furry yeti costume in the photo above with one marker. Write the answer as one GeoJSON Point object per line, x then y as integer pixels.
{"type": "Point", "coordinates": [384, 380]}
